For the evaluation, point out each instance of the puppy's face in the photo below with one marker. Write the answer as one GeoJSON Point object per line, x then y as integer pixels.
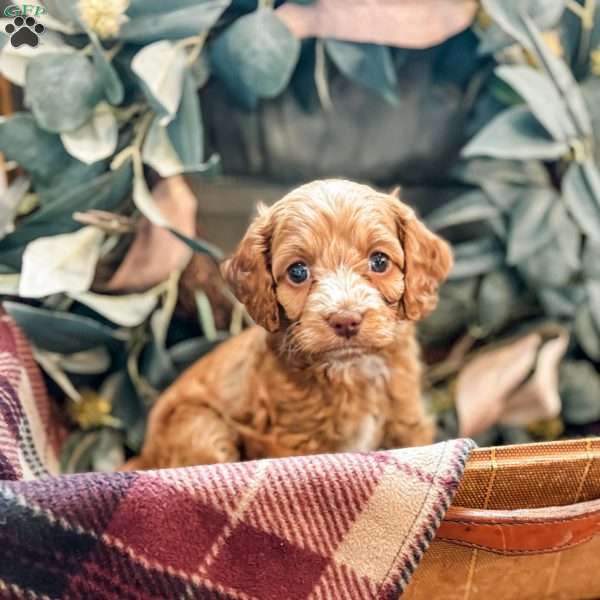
{"type": "Point", "coordinates": [338, 266]}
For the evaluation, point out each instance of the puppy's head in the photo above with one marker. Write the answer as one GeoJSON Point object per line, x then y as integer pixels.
{"type": "Point", "coordinates": [338, 266]}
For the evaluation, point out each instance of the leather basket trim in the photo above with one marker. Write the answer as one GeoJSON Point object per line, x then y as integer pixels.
{"type": "Point", "coordinates": [525, 531]}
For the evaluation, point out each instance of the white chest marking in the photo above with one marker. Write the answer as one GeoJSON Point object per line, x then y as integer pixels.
{"type": "Point", "coordinates": [367, 436]}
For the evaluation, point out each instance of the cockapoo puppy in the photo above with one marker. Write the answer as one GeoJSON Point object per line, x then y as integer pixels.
{"type": "Point", "coordinates": [335, 275]}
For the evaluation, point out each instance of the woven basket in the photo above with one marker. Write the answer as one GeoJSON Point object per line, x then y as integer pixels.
{"type": "Point", "coordinates": [522, 526]}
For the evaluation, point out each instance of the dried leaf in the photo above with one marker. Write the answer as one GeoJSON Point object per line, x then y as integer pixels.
{"type": "Point", "coordinates": [494, 388]}
{"type": "Point", "coordinates": [404, 23]}
{"type": "Point", "coordinates": [538, 399]}
{"type": "Point", "coordinates": [485, 382]}
{"type": "Point", "coordinates": [156, 252]}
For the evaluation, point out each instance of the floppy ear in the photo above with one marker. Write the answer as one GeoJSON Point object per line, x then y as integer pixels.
{"type": "Point", "coordinates": [248, 274]}
{"type": "Point", "coordinates": [427, 262]}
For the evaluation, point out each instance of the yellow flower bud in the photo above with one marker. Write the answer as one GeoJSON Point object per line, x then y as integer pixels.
{"type": "Point", "coordinates": [103, 17]}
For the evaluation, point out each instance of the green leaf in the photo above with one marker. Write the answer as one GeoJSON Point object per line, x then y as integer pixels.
{"type": "Point", "coordinates": [579, 392]}
{"type": "Point", "coordinates": [105, 192]}
{"type": "Point", "coordinates": [55, 216]}
{"type": "Point", "coordinates": [62, 90]}
{"type": "Point", "coordinates": [563, 79]}
{"type": "Point", "coordinates": [590, 89]}
{"type": "Point", "coordinates": [94, 140]}
{"type": "Point", "coordinates": [587, 333]}
{"type": "Point", "coordinates": [370, 65]}
{"type": "Point", "coordinates": [593, 292]}
{"type": "Point", "coordinates": [185, 131]}
{"type": "Point", "coordinates": [189, 351]}
{"type": "Point", "coordinates": [498, 294]}
{"type": "Point", "coordinates": [581, 202]}
{"type": "Point", "coordinates": [37, 151]}
{"type": "Point", "coordinates": [561, 302]}
{"type": "Point", "coordinates": [546, 267]}
{"type": "Point", "coordinates": [108, 455]}
{"type": "Point", "coordinates": [515, 133]}
{"type": "Point", "coordinates": [60, 263]}
{"type": "Point", "coordinates": [255, 56]}
{"type": "Point", "coordinates": [173, 22]}
{"type": "Point", "coordinates": [178, 147]}
{"type": "Point", "coordinates": [71, 176]}
{"type": "Point", "coordinates": [77, 451]}
{"type": "Point", "coordinates": [567, 234]}
{"type": "Point", "coordinates": [156, 367]}
{"type": "Point", "coordinates": [127, 407]}
{"type": "Point", "coordinates": [161, 68]}
{"type": "Point", "coordinates": [66, 11]}
{"type": "Point", "coordinates": [591, 260]}
{"type": "Point", "coordinates": [60, 332]}
{"type": "Point", "coordinates": [505, 195]}
{"type": "Point", "coordinates": [14, 61]}
{"type": "Point", "coordinates": [476, 257]}
{"type": "Point", "coordinates": [480, 171]}
{"type": "Point", "coordinates": [470, 207]}
{"type": "Point", "coordinates": [542, 98]}
{"type": "Point", "coordinates": [113, 88]}
{"type": "Point", "coordinates": [455, 310]}
{"type": "Point", "coordinates": [529, 224]}
{"type": "Point", "coordinates": [508, 15]}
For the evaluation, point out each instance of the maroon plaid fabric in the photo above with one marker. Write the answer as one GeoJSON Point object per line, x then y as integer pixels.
{"type": "Point", "coordinates": [28, 433]}
{"type": "Point", "coordinates": [346, 526]}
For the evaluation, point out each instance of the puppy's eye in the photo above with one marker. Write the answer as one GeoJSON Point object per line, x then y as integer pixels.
{"type": "Point", "coordinates": [298, 272]}
{"type": "Point", "coordinates": [379, 262]}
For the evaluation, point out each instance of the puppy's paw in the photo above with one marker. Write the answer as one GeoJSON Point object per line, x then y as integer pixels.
{"type": "Point", "coordinates": [404, 434]}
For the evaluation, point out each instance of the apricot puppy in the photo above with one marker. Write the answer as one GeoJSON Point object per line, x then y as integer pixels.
{"type": "Point", "coordinates": [335, 274]}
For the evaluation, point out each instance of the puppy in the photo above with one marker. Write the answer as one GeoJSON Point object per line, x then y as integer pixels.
{"type": "Point", "coordinates": [335, 275]}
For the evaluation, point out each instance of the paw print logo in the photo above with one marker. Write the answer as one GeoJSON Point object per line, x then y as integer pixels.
{"type": "Point", "coordinates": [24, 31]}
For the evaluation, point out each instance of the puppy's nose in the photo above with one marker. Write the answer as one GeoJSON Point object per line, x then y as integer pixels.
{"type": "Point", "coordinates": [345, 323]}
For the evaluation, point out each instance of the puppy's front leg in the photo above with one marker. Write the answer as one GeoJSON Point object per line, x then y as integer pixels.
{"type": "Point", "coordinates": [182, 431]}
{"type": "Point", "coordinates": [407, 423]}
{"type": "Point", "coordinates": [401, 434]}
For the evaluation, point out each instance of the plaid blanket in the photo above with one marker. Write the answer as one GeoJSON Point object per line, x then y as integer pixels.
{"type": "Point", "coordinates": [346, 526]}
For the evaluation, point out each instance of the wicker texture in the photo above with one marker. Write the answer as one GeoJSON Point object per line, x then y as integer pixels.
{"type": "Point", "coordinates": [514, 477]}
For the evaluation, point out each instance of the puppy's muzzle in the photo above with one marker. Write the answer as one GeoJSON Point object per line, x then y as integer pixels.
{"type": "Point", "coordinates": [345, 323]}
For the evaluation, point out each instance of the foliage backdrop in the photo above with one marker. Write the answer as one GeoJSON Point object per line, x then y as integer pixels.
{"type": "Point", "coordinates": [112, 99]}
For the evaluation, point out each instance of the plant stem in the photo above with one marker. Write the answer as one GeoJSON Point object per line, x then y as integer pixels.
{"type": "Point", "coordinates": [110, 54]}
{"type": "Point", "coordinates": [321, 81]}
{"type": "Point", "coordinates": [142, 127]}
{"type": "Point", "coordinates": [196, 49]}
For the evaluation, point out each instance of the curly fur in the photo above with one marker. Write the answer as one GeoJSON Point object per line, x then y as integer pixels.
{"type": "Point", "coordinates": [290, 385]}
